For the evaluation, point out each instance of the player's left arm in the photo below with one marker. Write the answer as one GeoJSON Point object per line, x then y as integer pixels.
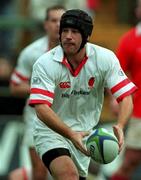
{"type": "Point", "coordinates": [122, 89]}
{"type": "Point", "coordinates": [125, 111]}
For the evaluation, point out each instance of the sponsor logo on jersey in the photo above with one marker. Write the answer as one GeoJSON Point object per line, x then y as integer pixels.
{"type": "Point", "coordinates": [64, 85]}
{"type": "Point", "coordinates": [75, 93]}
{"type": "Point", "coordinates": [91, 82]}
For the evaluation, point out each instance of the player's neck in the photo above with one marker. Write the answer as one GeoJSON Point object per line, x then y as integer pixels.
{"type": "Point", "coordinates": [52, 43]}
{"type": "Point", "coordinates": [76, 59]}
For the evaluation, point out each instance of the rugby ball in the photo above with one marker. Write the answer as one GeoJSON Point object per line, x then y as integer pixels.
{"type": "Point", "coordinates": [102, 146]}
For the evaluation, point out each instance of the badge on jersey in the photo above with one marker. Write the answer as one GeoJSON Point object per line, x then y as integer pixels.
{"type": "Point", "coordinates": [36, 80]}
{"type": "Point", "coordinates": [120, 72]}
{"type": "Point", "coordinates": [91, 82]}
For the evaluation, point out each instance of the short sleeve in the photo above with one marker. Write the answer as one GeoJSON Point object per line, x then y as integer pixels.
{"type": "Point", "coordinates": [116, 80]}
{"type": "Point", "coordinates": [42, 86]}
{"type": "Point", "coordinates": [22, 71]}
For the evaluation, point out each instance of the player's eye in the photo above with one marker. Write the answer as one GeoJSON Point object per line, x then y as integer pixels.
{"type": "Point", "coordinates": [65, 30]}
{"type": "Point", "coordinates": [75, 31]}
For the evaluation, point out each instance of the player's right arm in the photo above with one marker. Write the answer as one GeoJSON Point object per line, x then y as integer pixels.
{"type": "Point", "coordinates": [19, 84]}
{"type": "Point", "coordinates": [41, 97]}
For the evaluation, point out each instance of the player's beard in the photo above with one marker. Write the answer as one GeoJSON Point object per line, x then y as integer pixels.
{"type": "Point", "coordinates": [70, 49]}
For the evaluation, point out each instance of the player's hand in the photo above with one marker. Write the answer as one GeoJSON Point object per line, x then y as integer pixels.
{"type": "Point", "coordinates": [119, 134]}
{"type": "Point", "coordinates": [77, 140]}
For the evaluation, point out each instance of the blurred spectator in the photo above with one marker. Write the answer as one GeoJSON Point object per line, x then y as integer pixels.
{"type": "Point", "coordinates": [6, 37]}
{"type": "Point", "coordinates": [93, 6]}
{"type": "Point", "coordinates": [5, 34]}
{"type": "Point", "coordinates": [76, 4]}
{"type": "Point", "coordinates": [129, 54]}
{"type": "Point", "coordinates": [37, 8]}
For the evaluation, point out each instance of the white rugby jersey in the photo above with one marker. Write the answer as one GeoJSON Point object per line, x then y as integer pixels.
{"type": "Point", "coordinates": [77, 96]}
{"type": "Point", "coordinates": [26, 60]}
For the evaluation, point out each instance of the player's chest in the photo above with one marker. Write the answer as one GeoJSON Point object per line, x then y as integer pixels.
{"type": "Point", "coordinates": [87, 80]}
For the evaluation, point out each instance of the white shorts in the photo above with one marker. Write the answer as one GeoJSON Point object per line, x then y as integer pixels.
{"type": "Point", "coordinates": [133, 136]}
{"type": "Point", "coordinates": [45, 139]}
{"type": "Point", "coordinates": [29, 116]}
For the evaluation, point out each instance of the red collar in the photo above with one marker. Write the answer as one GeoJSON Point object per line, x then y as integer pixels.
{"type": "Point", "coordinates": [78, 69]}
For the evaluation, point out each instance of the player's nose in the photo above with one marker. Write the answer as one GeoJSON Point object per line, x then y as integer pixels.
{"type": "Point", "coordinates": [69, 35]}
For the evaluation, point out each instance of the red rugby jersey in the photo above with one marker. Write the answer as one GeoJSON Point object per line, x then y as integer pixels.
{"type": "Point", "coordinates": [129, 55]}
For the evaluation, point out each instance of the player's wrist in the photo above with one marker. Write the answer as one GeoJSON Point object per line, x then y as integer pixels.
{"type": "Point", "coordinates": [71, 135]}
{"type": "Point", "coordinates": [120, 125]}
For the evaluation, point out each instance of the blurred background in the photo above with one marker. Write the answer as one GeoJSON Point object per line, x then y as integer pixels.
{"type": "Point", "coordinates": [20, 24]}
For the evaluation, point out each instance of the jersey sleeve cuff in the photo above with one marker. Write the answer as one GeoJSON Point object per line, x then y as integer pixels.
{"type": "Point", "coordinates": [127, 93]}
{"type": "Point", "coordinates": [33, 102]}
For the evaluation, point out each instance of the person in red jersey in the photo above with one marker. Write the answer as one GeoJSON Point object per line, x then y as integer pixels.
{"type": "Point", "coordinates": [129, 55]}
